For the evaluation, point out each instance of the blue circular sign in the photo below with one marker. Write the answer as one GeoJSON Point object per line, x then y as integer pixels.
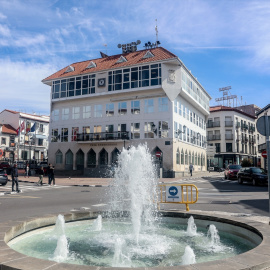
{"type": "Point", "coordinates": [173, 191]}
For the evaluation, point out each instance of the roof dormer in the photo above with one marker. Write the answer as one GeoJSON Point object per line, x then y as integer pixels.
{"type": "Point", "coordinates": [121, 59]}
{"type": "Point", "coordinates": [91, 65]}
{"type": "Point", "coordinates": [70, 69]}
{"type": "Point", "coordinates": [148, 54]}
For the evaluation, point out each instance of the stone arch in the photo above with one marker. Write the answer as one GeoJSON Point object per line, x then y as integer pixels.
{"type": "Point", "coordinates": [91, 159]}
{"type": "Point", "coordinates": [178, 157]}
{"type": "Point", "coordinates": [186, 158]}
{"type": "Point", "coordinates": [69, 160]}
{"type": "Point", "coordinates": [103, 157]}
{"type": "Point", "coordinates": [182, 157]}
{"type": "Point", "coordinates": [58, 157]}
{"type": "Point", "coordinates": [80, 160]}
{"type": "Point", "coordinates": [114, 156]}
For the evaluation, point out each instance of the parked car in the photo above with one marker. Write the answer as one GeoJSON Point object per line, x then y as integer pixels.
{"type": "Point", "coordinates": [231, 171]}
{"type": "Point", "coordinates": [253, 175]}
{"type": "Point", "coordinates": [4, 165]}
{"type": "Point", "coordinates": [3, 177]}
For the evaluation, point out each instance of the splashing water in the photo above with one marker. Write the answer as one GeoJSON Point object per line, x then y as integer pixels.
{"type": "Point", "coordinates": [97, 224]}
{"type": "Point", "coordinates": [62, 250]}
{"type": "Point", "coordinates": [213, 235]}
{"type": "Point", "coordinates": [119, 259]}
{"type": "Point", "coordinates": [135, 180]}
{"type": "Point", "coordinates": [189, 256]}
{"type": "Point", "coordinates": [192, 228]}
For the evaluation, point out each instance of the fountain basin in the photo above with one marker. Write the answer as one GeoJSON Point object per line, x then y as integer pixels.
{"type": "Point", "coordinates": [254, 232]}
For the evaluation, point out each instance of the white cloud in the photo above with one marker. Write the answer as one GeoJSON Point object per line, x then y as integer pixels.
{"type": "Point", "coordinates": [2, 16]}
{"type": "Point", "coordinates": [4, 30]}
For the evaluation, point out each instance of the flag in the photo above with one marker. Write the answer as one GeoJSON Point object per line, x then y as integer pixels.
{"type": "Point", "coordinates": [18, 130]}
{"type": "Point", "coordinates": [28, 127]}
{"type": "Point", "coordinates": [22, 126]}
{"type": "Point", "coordinates": [33, 128]}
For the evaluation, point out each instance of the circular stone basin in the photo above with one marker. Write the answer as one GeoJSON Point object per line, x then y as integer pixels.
{"type": "Point", "coordinates": [115, 245]}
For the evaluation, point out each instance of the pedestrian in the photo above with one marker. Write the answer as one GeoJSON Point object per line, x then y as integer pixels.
{"type": "Point", "coordinates": [49, 174]}
{"type": "Point", "coordinates": [41, 173]}
{"type": "Point", "coordinates": [27, 170]}
{"type": "Point", "coordinates": [14, 175]}
{"type": "Point", "coordinates": [52, 175]}
{"type": "Point", "coordinates": [191, 169]}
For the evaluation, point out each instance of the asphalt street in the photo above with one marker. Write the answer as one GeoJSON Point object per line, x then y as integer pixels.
{"type": "Point", "coordinates": [215, 194]}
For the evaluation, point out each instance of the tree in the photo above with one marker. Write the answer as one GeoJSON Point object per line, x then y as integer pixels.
{"type": "Point", "coordinates": [246, 162]}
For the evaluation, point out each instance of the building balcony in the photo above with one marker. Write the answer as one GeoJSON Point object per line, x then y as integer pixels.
{"type": "Point", "coordinates": [261, 147]}
{"type": "Point", "coordinates": [228, 123]}
{"type": "Point", "coordinates": [213, 124]}
{"type": "Point", "coordinates": [213, 137]}
{"type": "Point", "coordinates": [237, 125]}
{"type": "Point", "coordinates": [228, 136]}
{"type": "Point", "coordinates": [252, 141]}
{"type": "Point", "coordinates": [244, 126]}
{"type": "Point", "coordinates": [102, 136]}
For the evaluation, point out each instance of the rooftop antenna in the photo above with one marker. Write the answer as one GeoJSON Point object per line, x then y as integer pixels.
{"type": "Point", "coordinates": [157, 42]}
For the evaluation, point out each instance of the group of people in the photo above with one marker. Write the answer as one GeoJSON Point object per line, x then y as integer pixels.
{"type": "Point", "coordinates": [15, 174]}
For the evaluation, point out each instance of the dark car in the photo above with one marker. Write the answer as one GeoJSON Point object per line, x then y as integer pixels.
{"type": "Point", "coordinates": [3, 177]}
{"type": "Point", "coordinates": [4, 165]}
{"type": "Point", "coordinates": [231, 171]}
{"type": "Point", "coordinates": [253, 175]}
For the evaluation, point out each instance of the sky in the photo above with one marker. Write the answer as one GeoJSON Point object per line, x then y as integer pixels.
{"type": "Point", "coordinates": [223, 43]}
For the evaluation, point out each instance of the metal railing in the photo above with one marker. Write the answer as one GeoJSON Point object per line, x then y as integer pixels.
{"type": "Point", "coordinates": [228, 136]}
{"type": "Point", "coordinates": [213, 137]}
{"type": "Point", "coordinates": [188, 194]}
{"type": "Point", "coordinates": [228, 123]}
{"type": "Point", "coordinates": [102, 136]}
{"type": "Point", "coordinates": [211, 124]}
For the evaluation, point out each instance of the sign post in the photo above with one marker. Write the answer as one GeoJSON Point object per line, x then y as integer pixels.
{"type": "Point", "coordinates": [263, 127]}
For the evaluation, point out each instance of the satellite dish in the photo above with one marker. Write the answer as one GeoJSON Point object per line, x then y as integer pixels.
{"type": "Point", "coordinates": [119, 46]}
{"type": "Point", "coordinates": [138, 42]}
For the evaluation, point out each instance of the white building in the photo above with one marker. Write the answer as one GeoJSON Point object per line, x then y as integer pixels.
{"type": "Point", "coordinates": [8, 139]}
{"type": "Point", "coordinates": [33, 132]}
{"type": "Point", "coordinates": [100, 106]}
{"type": "Point", "coordinates": [233, 133]}
{"type": "Point", "coordinates": [261, 138]}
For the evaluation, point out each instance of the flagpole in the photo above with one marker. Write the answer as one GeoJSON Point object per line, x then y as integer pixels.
{"type": "Point", "coordinates": [18, 150]}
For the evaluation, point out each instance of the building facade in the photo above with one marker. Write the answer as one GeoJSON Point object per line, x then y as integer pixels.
{"type": "Point", "coordinates": [8, 140]}
{"type": "Point", "coordinates": [233, 133]}
{"type": "Point", "coordinates": [32, 133]}
{"type": "Point", "coordinates": [100, 106]}
{"type": "Point", "coordinates": [262, 139]}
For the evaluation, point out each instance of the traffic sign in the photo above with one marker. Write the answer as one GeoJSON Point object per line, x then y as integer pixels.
{"type": "Point", "coordinates": [264, 154]}
{"type": "Point", "coordinates": [158, 154]}
{"type": "Point", "coordinates": [1, 153]}
{"type": "Point", "coordinates": [173, 194]}
{"type": "Point", "coordinates": [261, 127]}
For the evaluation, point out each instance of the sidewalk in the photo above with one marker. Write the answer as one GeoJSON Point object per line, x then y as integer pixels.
{"type": "Point", "coordinates": [98, 182]}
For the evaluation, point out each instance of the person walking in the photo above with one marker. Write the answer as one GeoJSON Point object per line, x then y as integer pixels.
{"type": "Point", "coordinates": [27, 169]}
{"type": "Point", "coordinates": [191, 169]}
{"type": "Point", "coordinates": [14, 175]}
{"type": "Point", "coordinates": [52, 175]}
{"type": "Point", "coordinates": [49, 174]}
{"type": "Point", "coordinates": [41, 173]}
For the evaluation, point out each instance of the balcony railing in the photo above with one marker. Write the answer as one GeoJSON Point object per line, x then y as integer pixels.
{"type": "Point", "coordinates": [237, 125]}
{"type": "Point", "coordinates": [228, 136]}
{"type": "Point", "coordinates": [252, 141]}
{"type": "Point", "coordinates": [261, 147]}
{"type": "Point", "coordinates": [213, 137]}
{"type": "Point", "coordinates": [244, 126]}
{"type": "Point", "coordinates": [213, 124]}
{"type": "Point", "coordinates": [102, 136]}
{"type": "Point", "coordinates": [228, 123]}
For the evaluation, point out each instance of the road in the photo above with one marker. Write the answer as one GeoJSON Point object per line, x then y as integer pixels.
{"type": "Point", "coordinates": [215, 194]}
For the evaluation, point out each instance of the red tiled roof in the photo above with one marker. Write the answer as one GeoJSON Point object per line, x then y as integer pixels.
{"type": "Point", "coordinates": [8, 129]}
{"type": "Point", "coordinates": [109, 62]}
{"type": "Point", "coordinates": [225, 108]}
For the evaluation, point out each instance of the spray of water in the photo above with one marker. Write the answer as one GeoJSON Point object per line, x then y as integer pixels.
{"type": "Point", "coordinates": [189, 256]}
{"type": "Point", "coordinates": [119, 258]}
{"type": "Point", "coordinates": [192, 228]}
{"type": "Point", "coordinates": [97, 224]}
{"type": "Point", "coordinates": [213, 235]}
{"type": "Point", "coordinates": [135, 181]}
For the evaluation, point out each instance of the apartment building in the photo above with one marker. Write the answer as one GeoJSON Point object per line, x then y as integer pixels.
{"type": "Point", "coordinates": [8, 139]}
{"type": "Point", "coordinates": [233, 134]}
{"type": "Point", "coordinates": [100, 106]}
{"type": "Point", "coordinates": [262, 139]}
{"type": "Point", "coordinates": [31, 134]}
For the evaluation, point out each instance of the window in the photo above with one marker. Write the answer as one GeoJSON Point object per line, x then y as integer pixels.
{"type": "Point", "coordinates": [186, 158]}
{"type": "Point", "coordinates": [228, 147]}
{"type": "Point", "coordinates": [187, 134]}
{"type": "Point", "coordinates": [55, 115]}
{"type": "Point", "coordinates": [135, 107]}
{"type": "Point", "coordinates": [217, 147]}
{"type": "Point", "coordinates": [163, 104]}
{"type": "Point", "coordinates": [180, 135]}
{"type": "Point", "coordinates": [135, 130]}
{"type": "Point", "coordinates": [148, 132]}
{"type": "Point", "coordinates": [149, 106]}
{"type": "Point", "coordinates": [178, 157]}
{"type": "Point", "coordinates": [64, 135]}
{"type": "Point", "coordinates": [86, 130]}
{"type": "Point", "coordinates": [175, 130]}
{"type": "Point", "coordinates": [109, 129]}
{"type": "Point", "coordinates": [98, 111]}
{"type": "Point", "coordinates": [179, 108]}
{"type": "Point", "coordinates": [76, 113]}
{"type": "Point", "coordinates": [54, 135]}
{"type": "Point", "coordinates": [184, 111]}
{"type": "Point", "coordinates": [41, 128]}
{"type": "Point", "coordinates": [163, 129]}
{"type": "Point", "coordinates": [3, 141]}
{"type": "Point", "coordinates": [110, 109]}
{"type": "Point", "coordinates": [182, 157]}
{"type": "Point", "coordinates": [75, 131]}
{"type": "Point", "coordinates": [86, 112]}
{"type": "Point", "coordinates": [175, 106]}
{"type": "Point", "coordinates": [190, 118]}
{"type": "Point", "coordinates": [122, 108]}
{"type": "Point", "coordinates": [91, 159]}
{"type": "Point", "coordinates": [65, 113]}
{"type": "Point", "coordinates": [58, 157]}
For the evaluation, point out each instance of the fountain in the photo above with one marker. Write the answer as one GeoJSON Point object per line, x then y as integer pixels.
{"type": "Point", "coordinates": [133, 233]}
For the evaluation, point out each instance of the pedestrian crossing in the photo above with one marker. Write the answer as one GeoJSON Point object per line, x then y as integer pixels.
{"type": "Point", "coordinates": [25, 188]}
{"type": "Point", "coordinates": [200, 180]}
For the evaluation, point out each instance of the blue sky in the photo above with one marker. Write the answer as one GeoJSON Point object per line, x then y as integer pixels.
{"type": "Point", "coordinates": [223, 43]}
